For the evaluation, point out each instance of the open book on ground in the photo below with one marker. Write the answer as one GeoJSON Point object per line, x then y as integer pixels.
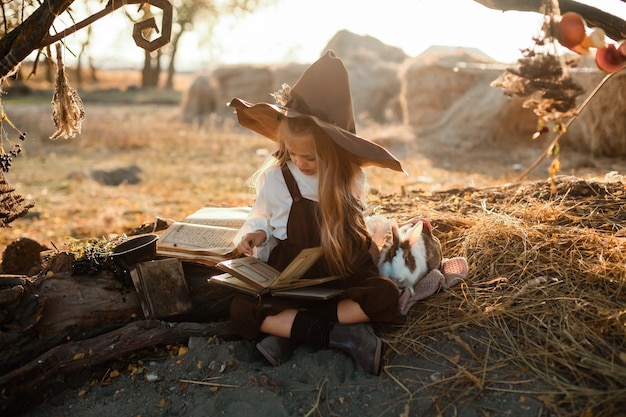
{"type": "Point", "coordinates": [253, 276]}
{"type": "Point", "coordinates": [204, 237]}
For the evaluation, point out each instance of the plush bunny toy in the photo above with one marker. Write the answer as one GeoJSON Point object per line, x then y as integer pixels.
{"type": "Point", "coordinates": [408, 252]}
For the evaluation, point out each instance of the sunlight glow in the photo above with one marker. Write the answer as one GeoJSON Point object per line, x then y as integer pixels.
{"type": "Point", "coordinates": [294, 30]}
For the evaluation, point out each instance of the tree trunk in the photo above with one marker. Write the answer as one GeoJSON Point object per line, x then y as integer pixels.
{"type": "Point", "coordinates": [171, 70]}
{"type": "Point", "coordinates": [93, 72]}
{"type": "Point", "coordinates": [16, 45]}
{"type": "Point", "coordinates": [151, 70]}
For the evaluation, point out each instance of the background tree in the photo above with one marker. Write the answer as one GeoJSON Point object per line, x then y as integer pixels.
{"type": "Point", "coordinates": [186, 14]}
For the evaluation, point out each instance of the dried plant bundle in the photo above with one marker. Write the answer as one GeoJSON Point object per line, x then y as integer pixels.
{"type": "Point", "coordinates": [542, 75]}
{"type": "Point", "coordinates": [12, 205]}
{"type": "Point", "coordinates": [68, 112]}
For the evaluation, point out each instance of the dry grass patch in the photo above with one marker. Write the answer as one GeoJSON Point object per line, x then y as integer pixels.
{"type": "Point", "coordinates": [183, 167]}
{"type": "Point", "coordinates": [546, 295]}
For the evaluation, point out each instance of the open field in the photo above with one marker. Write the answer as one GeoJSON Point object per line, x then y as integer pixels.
{"type": "Point", "coordinates": [184, 166]}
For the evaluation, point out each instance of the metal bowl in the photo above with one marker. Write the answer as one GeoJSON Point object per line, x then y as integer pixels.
{"type": "Point", "coordinates": [135, 250]}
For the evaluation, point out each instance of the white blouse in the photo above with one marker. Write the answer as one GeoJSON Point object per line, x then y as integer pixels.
{"type": "Point", "coordinates": [270, 211]}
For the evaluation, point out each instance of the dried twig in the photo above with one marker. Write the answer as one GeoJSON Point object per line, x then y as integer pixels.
{"type": "Point", "coordinates": [561, 132]}
{"type": "Point", "coordinates": [209, 384]}
{"type": "Point", "coordinates": [317, 400]}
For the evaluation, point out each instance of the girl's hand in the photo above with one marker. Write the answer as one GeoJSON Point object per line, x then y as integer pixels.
{"type": "Point", "coordinates": [249, 241]}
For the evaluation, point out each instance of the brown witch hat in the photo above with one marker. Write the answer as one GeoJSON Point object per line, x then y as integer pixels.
{"type": "Point", "coordinates": [322, 94]}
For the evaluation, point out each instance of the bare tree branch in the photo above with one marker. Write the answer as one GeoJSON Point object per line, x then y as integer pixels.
{"type": "Point", "coordinates": [32, 34]}
{"type": "Point", "coordinates": [113, 5]}
{"type": "Point", "coordinates": [614, 26]}
{"type": "Point", "coordinates": [26, 38]}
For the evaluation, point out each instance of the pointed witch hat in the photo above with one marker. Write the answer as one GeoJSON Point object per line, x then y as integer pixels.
{"type": "Point", "coordinates": [322, 94]}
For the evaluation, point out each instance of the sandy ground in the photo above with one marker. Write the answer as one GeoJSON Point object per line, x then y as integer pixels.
{"type": "Point", "coordinates": [230, 378]}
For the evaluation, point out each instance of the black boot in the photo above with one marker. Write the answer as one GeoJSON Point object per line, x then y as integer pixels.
{"type": "Point", "coordinates": [360, 342]}
{"type": "Point", "coordinates": [276, 349]}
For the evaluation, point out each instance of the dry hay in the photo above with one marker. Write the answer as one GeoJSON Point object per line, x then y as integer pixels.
{"type": "Point", "coordinates": [545, 297]}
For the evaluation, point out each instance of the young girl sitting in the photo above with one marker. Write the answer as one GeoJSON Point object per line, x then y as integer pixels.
{"type": "Point", "coordinates": [312, 193]}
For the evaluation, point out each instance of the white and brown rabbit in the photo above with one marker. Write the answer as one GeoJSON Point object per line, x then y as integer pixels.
{"type": "Point", "coordinates": [409, 253]}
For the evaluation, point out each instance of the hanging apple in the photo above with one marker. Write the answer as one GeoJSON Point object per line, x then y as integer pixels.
{"type": "Point", "coordinates": [570, 30]}
{"type": "Point", "coordinates": [611, 58]}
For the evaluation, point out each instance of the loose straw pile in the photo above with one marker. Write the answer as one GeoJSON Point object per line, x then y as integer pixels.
{"type": "Point", "coordinates": [546, 292]}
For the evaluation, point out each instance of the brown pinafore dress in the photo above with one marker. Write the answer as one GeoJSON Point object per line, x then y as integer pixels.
{"type": "Point", "coordinates": [302, 230]}
{"type": "Point", "coordinates": [377, 295]}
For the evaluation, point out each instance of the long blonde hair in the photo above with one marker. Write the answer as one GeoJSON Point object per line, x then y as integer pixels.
{"type": "Point", "coordinates": [341, 197]}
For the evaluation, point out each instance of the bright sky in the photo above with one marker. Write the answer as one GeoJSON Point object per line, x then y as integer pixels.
{"type": "Point", "coordinates": [296, 30]}
{"type": "Point", "coordinates": [300, 30]}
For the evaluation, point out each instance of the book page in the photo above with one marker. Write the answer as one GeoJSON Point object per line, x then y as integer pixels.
{"type": "Point", "coordinates": [234, 282]}
{"type": "Point", "coordinates": [250, 269]}
{"type": "Point", "coordinates": [196, 257]}
{"type": "Point", "coordinates": [262, 275]}
{"type": "Point", "coordinates": [197, 237]}
{"type": "Point", "coordinates": [319, 293]}
{"type": "Point", "coordinates": [233, 217]}
{"type": "Point", "coordinates": [294, 271]}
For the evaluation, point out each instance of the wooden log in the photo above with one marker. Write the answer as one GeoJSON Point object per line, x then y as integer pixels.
{"type": "Point", "coordinates": [63, 307]}
{"type": "Point", "coordinates": [46, 321]}
{"type": "Point", "coordinates": [77, 304]}
{"type": "Point", "coordinates": [74, 356]}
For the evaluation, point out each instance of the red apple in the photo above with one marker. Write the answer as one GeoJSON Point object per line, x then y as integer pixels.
{"type": "Point", "coordinates": [571, 30]}
{"type": "Point", "coordinates": [611, 59]}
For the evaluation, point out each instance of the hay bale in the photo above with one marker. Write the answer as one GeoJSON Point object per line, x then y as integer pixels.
{"type": "Point", "coordinates": [600, 130]}
{"type": "Point", "coordinates": [449, 98]}
{"type": "Point", "coordinates": [200, 99]}
{"type": "Point", "coordinates": [483, 115]}
{"type": "Point", "coordinates": [373, 68]}
{"type": "Point", "coordinates": [429, 89]}
{"type": "Point", "coordinates": [209, 94]}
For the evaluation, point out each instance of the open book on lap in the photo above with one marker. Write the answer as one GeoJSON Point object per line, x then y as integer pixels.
{"type": "Point", "coordinates": [253, 276]}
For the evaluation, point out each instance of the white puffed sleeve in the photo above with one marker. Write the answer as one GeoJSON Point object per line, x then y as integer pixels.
{"type": "Point", "coordinates": [259, 219]}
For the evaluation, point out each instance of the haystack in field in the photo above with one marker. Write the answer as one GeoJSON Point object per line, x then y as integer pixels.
{"type": "Point", "coordinates": [449, 98]}
{"type": "Point", "coordinates": [210, 93]}
{"type": "Point", "coordinates": [432, 84]}
{"type": "Point", "coordinates": [444, 94]}
{"type": "Point", "coordinates": [601, 127]}
{"type": "Point", "coordinates": [373, 68]}
{"type": "Point", "coordinates": [200, 99]}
